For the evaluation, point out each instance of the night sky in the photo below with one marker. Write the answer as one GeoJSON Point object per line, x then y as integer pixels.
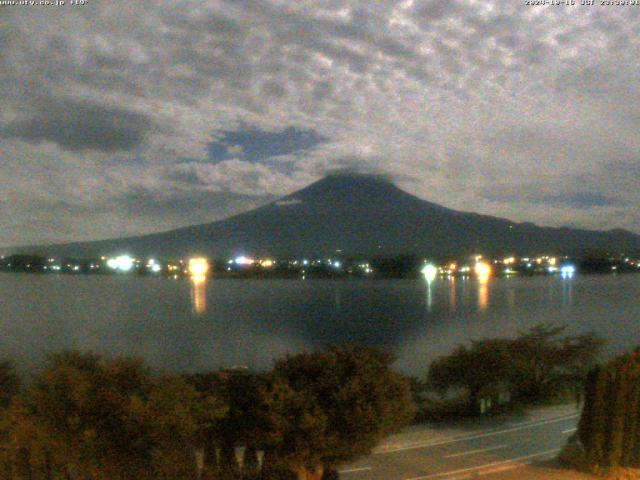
{"type": "Point", "coordinates": [120, 118]}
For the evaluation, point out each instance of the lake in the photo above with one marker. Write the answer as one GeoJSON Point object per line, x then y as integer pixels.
{"type": "Point", "coordinates": [188, 326]}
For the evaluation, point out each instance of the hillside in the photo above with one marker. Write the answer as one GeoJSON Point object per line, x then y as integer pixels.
{"type": "Point", "coordinates": [361, 215]}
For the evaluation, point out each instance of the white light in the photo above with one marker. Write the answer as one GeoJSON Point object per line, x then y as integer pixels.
{"type": "Point", "coordinates": [429, 271]}
{"type": "Point", "coordinates": [242, 260]}
{"type": "Point", "coordinates": [124, 263]}
{"type": "Point", "coordinates": [155, 268]}
{"type": "Point", "coordinates": [567, 271]}
{"type": "Point", "coordinates": [336, 264]}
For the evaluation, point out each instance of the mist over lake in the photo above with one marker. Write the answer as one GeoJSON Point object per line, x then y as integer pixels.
{"type": "Point", "coordinates": [178, 325]}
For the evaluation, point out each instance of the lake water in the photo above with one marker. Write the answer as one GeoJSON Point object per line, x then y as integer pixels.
{"type": "Point", "coordinates": [187, 326]}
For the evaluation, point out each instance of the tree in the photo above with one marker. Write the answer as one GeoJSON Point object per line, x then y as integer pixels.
{"type": "Point", "coordinates": [472, 368]}
{"type": "Point", "coordinates": [617, 415]}
{"type": "Point", "coordinates": [536, 355]}
{"type": "Point", "coordinates": [88, 417]}
{"type": "Point", "coordinates": [176, 414]}
{"type": "Point", "coordinates": [238, 390]}
{"type": "Point", "coordinates": [325, 408]}
{"type": "Point", "coordinates": [534, 365]}
{"type": "Point", "coordinates": [9, 383]}
{"type": "Point", "coordinates": [609, 427]}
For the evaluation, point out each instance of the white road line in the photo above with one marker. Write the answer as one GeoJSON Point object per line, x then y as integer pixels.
{"type": "Point", "coordinates": [491, 433]}
{"type": "Point", "coordinates": [354, 470]}
{"type": "Point", "coordinates": [492, 464]}
{"type": "Point", "coordinates": [479, 450]}
{"type": "Point", "coordinates": [569, 430]}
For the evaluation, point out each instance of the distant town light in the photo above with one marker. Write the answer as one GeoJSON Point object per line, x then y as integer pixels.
{"type": "Point", "coordinates": [242, 260]}
{"type": "Point", "coordinates": [483, 270]}
{"type": "Point", "coordinates": [430, 272]}
{"type": "Point", "coordinates": [123, 263]}
{"type": "Point", "coordinates": [267, 263]}
{"type": "Point", "coordinates": [567, 271]}
{"type": "Point", "coordinates": [198, 266]}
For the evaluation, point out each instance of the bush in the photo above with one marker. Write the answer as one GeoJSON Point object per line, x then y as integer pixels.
{"type": "Point", "coordinates": [609, 427]}
{"type": "Point", "coordinates": [573, 455]}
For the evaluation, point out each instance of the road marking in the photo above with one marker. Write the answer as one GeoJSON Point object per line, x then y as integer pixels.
{"type": "Point", "coordinates": [479, 450]}
{"type": "Point", "coordinates": [435, 443]}
{"type": "Point", "coordinates": [354, 470]}
{"type": "Point", "coordinates": [569, 430]}
{"type": "Point", "coordinates": [492, 464]}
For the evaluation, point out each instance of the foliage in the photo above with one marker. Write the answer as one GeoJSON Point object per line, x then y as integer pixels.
{"type": "Point", "coordinates": [532, 365]}
{"type": "Point", "coordinates": [9, 383]}
{"type": "Point", "coordinates": [325, 408]}
{"type": "Point", "coordinates": [86, 417]}
{"type": "Point", "coordinates": [609, 427]}
{"type": "Point", "coordinates": [483, 363]}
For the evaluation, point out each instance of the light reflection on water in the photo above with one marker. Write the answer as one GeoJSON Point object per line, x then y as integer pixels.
{"type": "Point", "coordinates": [483, 292]}
{"type": "Point", "coordinates": [198, 324]}
{"type": "Point", "coordinates": [199, 293]}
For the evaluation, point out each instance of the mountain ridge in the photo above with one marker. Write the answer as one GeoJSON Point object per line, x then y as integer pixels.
{"type": "Point", "coordinates": [356, 215]}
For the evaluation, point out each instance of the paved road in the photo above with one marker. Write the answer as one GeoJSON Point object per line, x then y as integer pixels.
{"type": "Point", "coordinates": [424, 454]}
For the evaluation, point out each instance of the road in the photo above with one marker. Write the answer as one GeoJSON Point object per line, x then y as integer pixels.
{"type": "Point", "coordinates": [425, 453]}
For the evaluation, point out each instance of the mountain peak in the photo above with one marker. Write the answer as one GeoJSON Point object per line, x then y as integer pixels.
{"type": "Point", "coordinates": [350, 185]}
{"type": "Point", "coordinates": [362, 215]}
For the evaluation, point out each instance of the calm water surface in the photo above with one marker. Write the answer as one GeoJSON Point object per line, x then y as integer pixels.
{"type": "Point", "coordinates": [182, 325]}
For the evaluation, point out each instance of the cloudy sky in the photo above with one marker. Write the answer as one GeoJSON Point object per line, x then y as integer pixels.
{"type": "Point", "coordinates": [120, 118]}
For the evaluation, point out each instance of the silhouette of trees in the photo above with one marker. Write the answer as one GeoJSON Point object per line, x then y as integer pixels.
{"type": "Point", "coordinates": [325, 408]}
{"type": "Point", "coordinates": [535, 365]}
{"type": "Point", "coordinates": [9, 383]}
{"type": "Point", "coordinates": [609, 427]}
{"type": "Point", "coordinates": [88, 417]}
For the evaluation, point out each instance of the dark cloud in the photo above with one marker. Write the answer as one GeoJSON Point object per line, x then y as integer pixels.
{"type": "Point", "coordinates": [77, 126]}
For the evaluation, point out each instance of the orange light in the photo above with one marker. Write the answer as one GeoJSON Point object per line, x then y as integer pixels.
{"type": "Point", "coordinates": [483, 271]}
{"type": "Point", "coordinates": [198, 267]}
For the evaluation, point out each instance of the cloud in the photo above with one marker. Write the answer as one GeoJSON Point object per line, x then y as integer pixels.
{"type": "Point", "coordinates": [79, 126]}
{"type": "Point", "coordinates": [455, 100]}
{"type": "Point", "coordinates": [577, 199]}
